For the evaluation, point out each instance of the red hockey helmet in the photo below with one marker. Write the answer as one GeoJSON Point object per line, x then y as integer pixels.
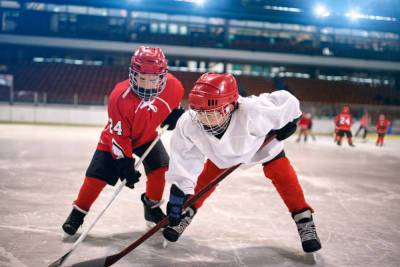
{"type": "Point", "coordinates": [148, 72]}
{"type": "Point", "coordinates": [213, 99]}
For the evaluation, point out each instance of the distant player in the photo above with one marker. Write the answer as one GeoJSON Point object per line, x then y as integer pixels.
{"type": "Point", "coordinates": [310, 125]}
{"type": "Point", "coordinates": [381, 128]}
{"type": "Point", "coordinates": [221, 130]}
{"type": "Point", "coordinates": [137, 106]}
{"type": "Point", "coordinates": [304, 124]}
{"type": "Point", "coordinates": [364, 121]}
{"type": "Point", "coordinates": [343, 122]}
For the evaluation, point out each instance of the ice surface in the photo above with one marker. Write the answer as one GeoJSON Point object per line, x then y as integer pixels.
{"type": "Point", "coordinates": [355, 192]}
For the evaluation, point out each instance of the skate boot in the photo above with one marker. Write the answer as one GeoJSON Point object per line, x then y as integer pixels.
{"type": "Point", "coordinates": [74, 220]}
{"type": "Point", "coordinates": [351, 144]}
{"type": "Point", "coordinates": [152, 211]}
{"type": "Point", "coordinates": [172, 233]}
{"type": "Point", "coordinates": [308, 234]}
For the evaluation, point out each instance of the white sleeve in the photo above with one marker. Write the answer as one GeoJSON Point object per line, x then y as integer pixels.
{"type": "Point", "coordinates": [273, 111]}
{"type": "Point", "coordinates": [186, 161]}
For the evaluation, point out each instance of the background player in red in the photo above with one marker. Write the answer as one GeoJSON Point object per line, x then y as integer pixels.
{"type": "Point", "coordinates": [364, 121]}
{"type": "Point", "coordinates": [310, 126]}
{"type": "Point", "coordinates": [137, 106]}
{"type": "Point", "coordinates": [343, 122]}
{"type": "Point", "coordinates": [304, 124]}
{"type": "Point", "coordinates": [381, 128]}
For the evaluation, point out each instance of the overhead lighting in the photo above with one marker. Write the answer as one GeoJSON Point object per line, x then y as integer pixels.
{"type": "Point", "coordinates": [283, 8]}
{"type": "Point", "coordinates": [353, 15]}
{"type": "Point", "coordinates": [321, 11]}
{"type": "Point", "coordinates": [197, 2]}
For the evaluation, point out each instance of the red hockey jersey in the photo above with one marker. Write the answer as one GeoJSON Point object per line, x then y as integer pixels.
{"type": "Point", "coordinates": [343, 121]}
{"type": "Point", "coordinates": [382, 126]}
{"type": "Point", "coordinates": [132, 122]}
{"type": "Point", "coordinates": [304, 122]}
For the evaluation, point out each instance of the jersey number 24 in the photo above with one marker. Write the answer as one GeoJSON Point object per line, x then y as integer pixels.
{"type": "Point", "coordinates": [115, 128]}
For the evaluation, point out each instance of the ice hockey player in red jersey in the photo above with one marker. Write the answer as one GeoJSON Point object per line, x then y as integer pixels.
{"type": "Point", "coordinates": [304, 124]}
{"type": "Point", "coordinates": [343, 122]}
{"type": "Point", "coordinates": [137, 106]}
{"type": "Point", "coordinates": [364, 121]}
{"type": "Point", "coordinates": [381, 128]}
{"type": "Point", "coordinates": [221, 130]}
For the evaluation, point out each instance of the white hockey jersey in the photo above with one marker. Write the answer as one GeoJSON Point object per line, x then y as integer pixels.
{"type": "Point", "coordinates": [249, 125]}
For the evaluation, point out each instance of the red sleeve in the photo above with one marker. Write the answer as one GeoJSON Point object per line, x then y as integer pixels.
{"type": "Point", "coordinates": [337, 120]}
{"type": "Point", "coordinates": [120, 129]}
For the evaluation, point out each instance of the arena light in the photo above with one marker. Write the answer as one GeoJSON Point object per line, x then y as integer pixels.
{"type": "Point", "coordinates": [197, 2]}
{"type": "Point", "coordinates": [353, 15]}
{"type": "Point", "coordinates": [321, 11]}
{"type": "Point", "coordinates": [283, 8]}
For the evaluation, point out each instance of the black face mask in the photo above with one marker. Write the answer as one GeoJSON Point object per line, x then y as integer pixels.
{"type": "Point", "coordinates": [145, 94]}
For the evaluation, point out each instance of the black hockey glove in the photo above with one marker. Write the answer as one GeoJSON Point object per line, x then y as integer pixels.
{"type": "Point", "coordinates": [287, 130]}
{"type": "Point", "coordinates": [126, 170]}
{"type": "Point", "coordinates": [172, 118]}
{"type": "Point", "coordinates": [175, 205]}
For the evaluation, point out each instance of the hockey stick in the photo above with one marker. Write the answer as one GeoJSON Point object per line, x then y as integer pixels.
{"type": "Point", "coordinates": [59, 262]}
{"type": "Point", "coordinates": [110, 260]}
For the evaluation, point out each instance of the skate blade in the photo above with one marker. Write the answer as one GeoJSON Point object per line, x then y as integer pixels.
{"type": "Point", "coordinates": [165, 243]}
{"type": "Point", "coordinates": [311, 257]}
{"type": "Point", "coordinates": [69, 238]}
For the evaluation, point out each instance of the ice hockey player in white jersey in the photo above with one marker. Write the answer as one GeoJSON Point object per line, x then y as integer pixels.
{"type": "Point", "coordinates": [222, 129]}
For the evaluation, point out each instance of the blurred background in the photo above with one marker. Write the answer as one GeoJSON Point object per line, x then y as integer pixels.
{"type": "Point", "coordinates": [60, 59]}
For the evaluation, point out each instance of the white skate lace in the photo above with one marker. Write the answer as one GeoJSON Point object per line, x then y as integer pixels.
{"type": "Point", "coordinates": [307, 231]}
{"type": "Point", "coordinates": [182, 225]}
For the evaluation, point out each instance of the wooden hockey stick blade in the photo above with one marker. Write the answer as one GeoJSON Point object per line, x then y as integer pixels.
{"type": "Point", "coordinates": [60, 261]}
{"type": "Point", "coordinates": [91, 263]}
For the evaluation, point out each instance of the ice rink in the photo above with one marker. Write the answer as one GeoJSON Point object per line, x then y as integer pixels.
{"type": "Point", "coordinates": [354, 191]}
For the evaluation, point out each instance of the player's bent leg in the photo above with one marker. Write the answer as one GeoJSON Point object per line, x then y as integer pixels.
{"type": "Point", "coordinates": [151, 200]}
{"type": "Point", "coordinates": [209, 173]}
{"type": "Point", "coordinates": [155, 183]}
{"type": "Point", "coordinates": [349, 138]}
{"type": "Point", "coordinates": [155, 165]}
{"type": "Point", "coordinates": [285, 180]}
{"type": "Point", "coordinates": [88, 193]}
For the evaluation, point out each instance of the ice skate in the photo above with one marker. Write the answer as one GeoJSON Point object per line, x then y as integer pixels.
{"type": "Point", "coordinates": [308, 234]}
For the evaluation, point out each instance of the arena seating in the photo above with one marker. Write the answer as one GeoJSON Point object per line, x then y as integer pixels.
{"type": "Point", "coordinates": [61, 82]}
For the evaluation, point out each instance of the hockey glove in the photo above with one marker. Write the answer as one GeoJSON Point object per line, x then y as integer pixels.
{"type": "Point", "coordinates": [287, 130]}
{"type": "Point", "coordinates": [175, 205]}
{"type": "Point", "coordinates": [126, 170]}
{"type": "Point", "coordinates": [172, 118]}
